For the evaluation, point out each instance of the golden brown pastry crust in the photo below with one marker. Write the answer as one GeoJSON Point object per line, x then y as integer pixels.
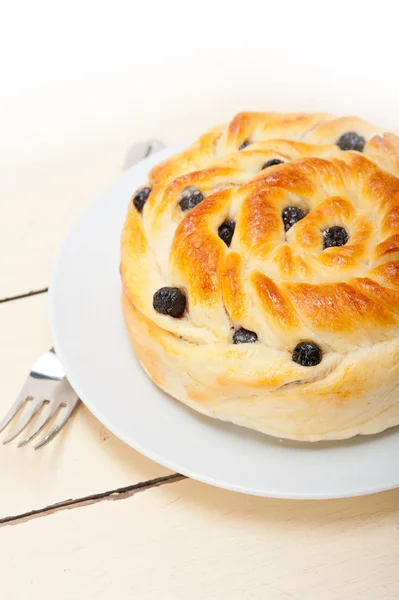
{"type": "Point", "coordinates": [282, 285]}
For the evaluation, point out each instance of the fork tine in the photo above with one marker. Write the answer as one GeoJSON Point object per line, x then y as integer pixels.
{"type": "Point", "coordinates": [47, 413]}
{"type": "Point", "coordinates": [26, 419]}
{"type": "Point", "coordinates": [14, 409]}
{"type": "Point", "coordinates": [63, 416]}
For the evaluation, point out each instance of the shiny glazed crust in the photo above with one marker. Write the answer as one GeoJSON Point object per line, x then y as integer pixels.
{"type": "Point", "coordinates": [282, 285]}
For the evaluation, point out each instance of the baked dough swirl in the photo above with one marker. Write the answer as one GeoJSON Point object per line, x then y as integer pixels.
{"type": "Point", "coordinates": [260, 273]}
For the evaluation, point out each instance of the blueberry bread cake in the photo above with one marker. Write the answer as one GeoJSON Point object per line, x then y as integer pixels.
{"type": "Point", "coordinates": [260, 273]}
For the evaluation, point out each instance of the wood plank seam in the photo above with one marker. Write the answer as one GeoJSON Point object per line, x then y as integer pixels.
{"type": "Point", "coordinates": [27, 295]}
{"type": "Point", "coordinates": [115, 494]}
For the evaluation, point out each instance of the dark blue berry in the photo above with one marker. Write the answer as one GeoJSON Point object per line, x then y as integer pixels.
{"type": "Point", "coordinates": [335, 236]}
{"type": "Point", "coordinates": [190, 198]}
{"type": "Point", "coordinates": [291, 215]}
{"type": "Point", "coordinates": [169, 301]}
{"type": "Point", "coordinates": [351, 141]}
{"type": "Point", "coordinates": [226, 231]}
{"type": "Point", "coordinates": [244, 145]}
{"type": "Point", "coordinates": [272, 162]}
{"type": "Point", "coordinates": [307, 354]}
{"type": "Point", "coordinates": [141, 197]}
{"type": "Point", "coordinates": [243, 336]}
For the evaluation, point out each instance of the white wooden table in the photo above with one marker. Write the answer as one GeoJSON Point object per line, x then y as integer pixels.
{"type": "Point", "coordinates": [87, 517]}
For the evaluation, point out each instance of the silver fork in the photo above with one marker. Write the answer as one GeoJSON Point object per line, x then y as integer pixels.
{"type": "Point", "coordinates": [47, 394]}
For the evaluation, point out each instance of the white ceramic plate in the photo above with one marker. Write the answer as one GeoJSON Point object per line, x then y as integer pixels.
{"type": "Point", "coordinates": [91, 340]}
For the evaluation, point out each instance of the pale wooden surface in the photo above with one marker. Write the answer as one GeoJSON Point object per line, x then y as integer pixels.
{"type": "Point", "coordinates": [71, 106]}
{"type": "Point", "coordinates": [187, 541]}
